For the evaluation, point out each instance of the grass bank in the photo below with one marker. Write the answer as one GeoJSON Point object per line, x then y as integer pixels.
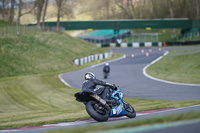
{"type": "Point", "coordinates": [140, 123]}
{"type": "Point", "coordinates": [179, 68]}
{"type": "Point", "coordinates": [41, 53]}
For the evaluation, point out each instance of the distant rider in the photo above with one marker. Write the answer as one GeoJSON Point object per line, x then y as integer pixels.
{"type": "Point", "coordinates": [91, 82]}
{"type": "Point", "coordinates": [106, 68]}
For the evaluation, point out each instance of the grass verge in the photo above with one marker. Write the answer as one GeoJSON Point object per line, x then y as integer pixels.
{"type": "Point", "coordinates": [183, 51]}
{"type": "Point", "coordinates": [147, 122]}
{"type": "Point", "coordinates": [180, 68]}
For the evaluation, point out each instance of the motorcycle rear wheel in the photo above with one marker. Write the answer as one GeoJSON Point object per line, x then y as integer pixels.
{"type": "Point", "coordinates": [97, 111]}
{"type": "Point", "coordinates": [130, 111]}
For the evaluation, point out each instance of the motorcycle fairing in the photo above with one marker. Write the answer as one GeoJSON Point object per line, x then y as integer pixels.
{"type": "Point", "coordinates": [119, 110]}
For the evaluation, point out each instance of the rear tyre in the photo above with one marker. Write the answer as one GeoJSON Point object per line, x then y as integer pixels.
{"type": "Point", "coordinates": [130, 111]}
{"type": "Point", "coordinates": [97, 111]}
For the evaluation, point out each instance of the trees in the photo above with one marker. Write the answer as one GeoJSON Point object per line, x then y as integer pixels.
{"type": "Point", "coordinates": [197, 3]}
{"type": "Point", "coordinates": [4, 6]}
{"type": "Point", "coordinates": [59, 5]}
{"type": "Point", "coordinates": [40, 4]}
{"type": "Point", "coordinates": [142, 9]}
{"type": "Point", "coordinates": [101, 9]}
{"type": "Point", "coordinates": [127, 8]}
{"type": "Point", "coordinates": [64, 8]}
{"type": "Point", "coordinates": [170, 5]}
{"type": "Point", "coordinates": [44, 13]}
{"type": "Point", "coordinates": [20, 4]}
{"type": "Point", "coordinates": [12, 13]}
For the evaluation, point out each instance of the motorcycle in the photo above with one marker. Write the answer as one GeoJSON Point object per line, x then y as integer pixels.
{"type": "Point", "coordinates": [100, 110]}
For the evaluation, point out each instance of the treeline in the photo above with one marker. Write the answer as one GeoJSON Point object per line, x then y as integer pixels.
{"type": "Point", "coordinates": [142, 9]}
{"type": "Point", "coordinates": [100, 9]}
{"type": "Point", "coordinates": [37, 7]}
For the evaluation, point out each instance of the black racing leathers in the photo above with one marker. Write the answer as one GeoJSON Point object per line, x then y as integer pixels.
{"type": "Point", "coordinates": [90, 85]}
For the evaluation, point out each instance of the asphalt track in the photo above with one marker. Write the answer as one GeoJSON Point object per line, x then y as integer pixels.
{"type": "Point", "coordinates": [127, 73]}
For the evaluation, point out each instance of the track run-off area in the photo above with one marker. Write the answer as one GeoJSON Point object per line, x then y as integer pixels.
{"type": "Point", "coordinates": [129, 73]}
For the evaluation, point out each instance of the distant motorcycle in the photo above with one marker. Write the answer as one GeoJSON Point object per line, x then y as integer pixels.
{"type": "Point", "coordinates": [100, 110]}
{"type": "Point", "coordinates": [106, 70]}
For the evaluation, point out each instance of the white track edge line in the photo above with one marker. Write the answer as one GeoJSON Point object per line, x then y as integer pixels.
{"type": "Point", "coordinates": [174, 109]}
{"type": "Point", "coordinates": [160, 80]}
{"type": "Point", "coordinates": [67, 84]}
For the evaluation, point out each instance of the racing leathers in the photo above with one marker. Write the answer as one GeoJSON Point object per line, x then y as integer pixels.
{"type": "Point", "coordinates": [90, 85]}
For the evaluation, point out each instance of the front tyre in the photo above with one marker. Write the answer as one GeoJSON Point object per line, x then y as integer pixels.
{"type": "Point", "coordinates": [97, 111]}
{"type": "Point", "coordinates": [130, 112]}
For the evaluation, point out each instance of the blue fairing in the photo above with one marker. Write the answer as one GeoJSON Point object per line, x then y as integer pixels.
{"type": "Point", "coordinates": [119, 110]}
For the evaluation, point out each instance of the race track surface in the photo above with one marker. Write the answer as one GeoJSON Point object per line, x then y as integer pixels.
{"type": "Point", "coordinates": [127, 73]}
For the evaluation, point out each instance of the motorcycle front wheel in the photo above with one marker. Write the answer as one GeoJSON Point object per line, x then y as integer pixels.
{"type": "Point", "coordinates": [97, 111]}
{"type": "Point", "coordinates": [130, 111]}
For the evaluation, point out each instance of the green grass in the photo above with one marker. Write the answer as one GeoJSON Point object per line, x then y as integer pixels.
{"type": "Point", "coordinates": [139, 123]}
{"type": "Point", "coordinates": [4, 24]}
{"type": "Point", "coordinates": [35, 100]}
{"type": "Point", "coordinates": [41, 53]}
{"type": "Point", "coordinates": [183, 51]}
{"type": "Point", "coordinates": [180, 68]}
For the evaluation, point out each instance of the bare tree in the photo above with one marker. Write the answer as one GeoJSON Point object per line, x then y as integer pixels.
{"type": "Point", "coordinates": [20, 14]}
{"type": "Point", "coordinates": [65, 9]}
{"type": "Point", "coordinates": [44, 13]}
{"type": "Point", "coordinates": [127, 7]}
{"type": "Point", "coordinates": [59, 6]}
{"type": "Point", "coordinates": [12, 13]}
{"type": "Point", "coordinates": [170, 4]}
{"type": "Point", "coordinates": [19, 11]}
{"type": "Point", "coordinates": [197, 9]}
{"type": "Point", "coordinates": [40, 4]}
{"type": "Point", "coordinates": [4, 9]}
{"type": "Point", "coordinates": [140, 9]}
{"type": "Point", "coordinates": [107, 9]}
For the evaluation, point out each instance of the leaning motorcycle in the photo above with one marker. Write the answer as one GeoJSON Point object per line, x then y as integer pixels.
{"type": "Point", "coordinates": [100, 110]}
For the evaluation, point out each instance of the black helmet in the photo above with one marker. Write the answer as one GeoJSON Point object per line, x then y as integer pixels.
{"type": "Point", "coordinates": [89, 76]}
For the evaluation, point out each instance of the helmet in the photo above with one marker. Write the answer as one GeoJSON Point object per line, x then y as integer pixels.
{"type": "Point", "coordinates": [107, 64]}
{"type": "Point", "coordinates": [89, 76]}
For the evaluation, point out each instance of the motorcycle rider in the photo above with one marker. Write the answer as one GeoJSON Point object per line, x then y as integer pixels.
{"type": "Point", "coordinates": [91, 82]}
{"type": "Point", "coordinates": [106, 70]}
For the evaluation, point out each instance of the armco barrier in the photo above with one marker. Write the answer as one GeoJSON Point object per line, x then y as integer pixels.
{"type": "Point", "coordinates": [134, 44]}
{"type": "Point", "coordinates": [91, 58]}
